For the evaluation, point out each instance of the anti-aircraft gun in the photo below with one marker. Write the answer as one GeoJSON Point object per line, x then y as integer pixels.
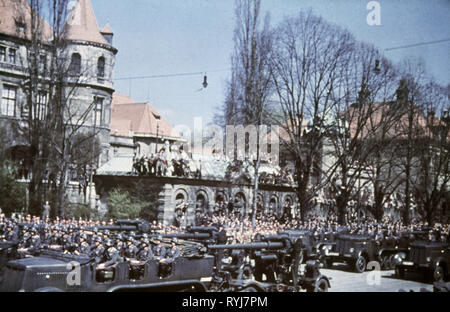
{"type": "Point", "coordinates": [276, 266]}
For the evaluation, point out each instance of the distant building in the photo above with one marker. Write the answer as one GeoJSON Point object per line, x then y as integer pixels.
{"type": "Point", "coordinates": [138, 128]}
{"type": "Point", "coordinates": [92, 53]}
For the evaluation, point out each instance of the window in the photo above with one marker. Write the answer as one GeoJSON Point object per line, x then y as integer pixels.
{"type": "Point", "coordinates": [75, 64]}
{"type": "Point", "coordinates": [98, 109]}
{"type": "Point", "coordinates": [12, 56]}
{"type": "Point", "coordinates": [43, 63]}
{"type": "Point", "coordinates": [101, 67]}
{"type": "Point", "coordinates": [2, 54]}
{"type": "Point", "coordinates": [41, 106]}
{"type": "Point", "coordinates": [8, 107]}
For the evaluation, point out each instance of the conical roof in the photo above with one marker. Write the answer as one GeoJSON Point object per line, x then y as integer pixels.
{"type": "Point", "coordinates": [15, 13]}
{"type": "Point", "coordinates": [107, 30]}
{"type": "Point", "coordinates": [82, 25]}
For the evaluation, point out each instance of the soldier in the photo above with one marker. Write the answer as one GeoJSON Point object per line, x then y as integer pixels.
{"type": "Point", "coordinates": [10, 235]}
{"type": "Point", "coordinates": [165, 264]}
{"type": "Point", "coordinates": [159, 251]}
{"type": "Point", "coordinates": [130, 250]}
{"type": "Point", "coordinates": [174, 252]}
{"type": "Point", "coordinates": [145, 253]}
{"type": "Point", "coordinates": [178, 219]}
{"type": "Point", "coordinates": [83, 247]}
{"type": "Point", "coordinates": [31, 244]}
{"type": "Point", "coordinates": [120, 246]}
{"type": "Point", "coordinates": [46, 212]}
{"type": "Point", "coordinates": [97, 250]}
{"type": "Point", "coordinates": [110, 256]}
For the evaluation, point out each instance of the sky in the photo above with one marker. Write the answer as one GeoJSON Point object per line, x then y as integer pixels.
{"type": "Point", "coordinates": [165, 37]}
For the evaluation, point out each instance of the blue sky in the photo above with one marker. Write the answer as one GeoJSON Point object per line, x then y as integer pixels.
{"type": "Point", "coordinates": [160, 37]}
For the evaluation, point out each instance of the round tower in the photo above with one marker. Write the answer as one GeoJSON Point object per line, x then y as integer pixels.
{"type": "Point", "coordinates": [92, 59]}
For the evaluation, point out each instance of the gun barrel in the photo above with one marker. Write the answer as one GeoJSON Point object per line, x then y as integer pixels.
{"type": "Point", "coordinates": [183, 235]}
{"type": "Point", "coordinates": [202, 229]}
{"type": "Point", "coordinates": [251, 246]}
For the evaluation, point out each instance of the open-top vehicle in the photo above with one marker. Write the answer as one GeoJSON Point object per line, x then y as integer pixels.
{"type": "Point", "coordinates": [426, 257]}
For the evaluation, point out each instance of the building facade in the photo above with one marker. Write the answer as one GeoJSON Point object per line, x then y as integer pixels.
{"type": "Point", "coordinates": [91, 55]}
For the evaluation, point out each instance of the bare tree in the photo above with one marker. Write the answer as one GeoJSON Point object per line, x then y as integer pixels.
{"type": "Point", "coordinates": [250, 84]}
{"type": "Point", "coordinates": [53, 123]}
{"type": "Point", "coordinates": [305, 68]}
{"type": "Point", "coordinates": [430, 185]}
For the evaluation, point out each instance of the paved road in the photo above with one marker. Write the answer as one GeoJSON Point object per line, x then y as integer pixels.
{"type": "Point", "coordinates": [344, 280]}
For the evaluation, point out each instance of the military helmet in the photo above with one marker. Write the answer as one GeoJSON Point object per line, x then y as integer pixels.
{"type": "Point", "coordinates": [109, 243]}
{"type": "Point", "coordinates": [175, 240]}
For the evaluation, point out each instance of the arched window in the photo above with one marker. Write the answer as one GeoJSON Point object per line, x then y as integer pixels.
{"type": "Point", "coordinates": [75, 64]}
{"type": "Point", "coordinates": [101, 68]}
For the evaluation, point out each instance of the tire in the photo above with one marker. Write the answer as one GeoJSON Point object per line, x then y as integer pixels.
{"type": "Point", "coordinates": [321, 286]}
{"type": "Point", "coordinates": [438, 273]}
{"type": "Point", "coordinates": [360, 264]}
{"type": "Point", "coordinates": [399, 272]}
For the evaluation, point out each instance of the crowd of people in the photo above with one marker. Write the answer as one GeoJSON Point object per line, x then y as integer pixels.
{"type": "Point", "coordinates": [171, 160]}
{"type": "Point", "coordinates": [83, 237]}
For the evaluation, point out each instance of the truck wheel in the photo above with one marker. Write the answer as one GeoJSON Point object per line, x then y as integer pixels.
{"type": "Point", "coordinates": [321, 286]}
{"type": "Point", "coordinates": [360, 264]}
{"type": "Point", "coordinates": [438, 273]}
{"type": "Point", "coordinates": [399, 272]}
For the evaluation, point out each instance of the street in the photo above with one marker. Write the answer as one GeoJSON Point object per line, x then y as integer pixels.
{"type": "Point", "coordinates": [344, 280]}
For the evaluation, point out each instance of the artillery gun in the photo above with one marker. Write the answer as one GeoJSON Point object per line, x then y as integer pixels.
{"type": "Point", "coordinates": [275, 265]}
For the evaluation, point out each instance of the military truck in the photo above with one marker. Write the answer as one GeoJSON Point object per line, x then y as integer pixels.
{"type": "Point", "coordinates": [428, 258]}
{"type": "Point", "coordinates": [359, 250]}
{"type": "Point", "coordinates": [56, 272]}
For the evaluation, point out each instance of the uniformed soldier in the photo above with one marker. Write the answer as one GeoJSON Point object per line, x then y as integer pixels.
{"type": "Point", "coordinates": [10, 235]}
{"type": "Point", "coordinates": [145, 253]}
{"type": "Point", "coordinates": [110, 256]}
{"type": "Point", "coordinates": [159, 251]}
{"type": "Point", "coordinates": [130, 250]}
{"type": "Point", "coordinates": [97, 250]}
{"type": "Point", "coordinates": [165, 264]}
{"type": "Point", "coordinates": [83, 247]}
{"type": "Point", "coordinates": [174, 252]}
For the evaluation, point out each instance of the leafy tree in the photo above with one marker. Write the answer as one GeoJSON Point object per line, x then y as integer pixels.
{"type": "Point", "coordinates": [13, 193]}
{"type": "Point", "coordinates": [121, 206]}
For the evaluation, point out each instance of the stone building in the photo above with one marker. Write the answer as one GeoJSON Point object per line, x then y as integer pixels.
{"type": "Point", "coordinates": [91, 54]}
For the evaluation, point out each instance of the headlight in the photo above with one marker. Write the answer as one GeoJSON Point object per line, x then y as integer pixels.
{"type": "Point", "coordinates": [428, 259]}
{"type": "Point", "coordinates": [351, 250]}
